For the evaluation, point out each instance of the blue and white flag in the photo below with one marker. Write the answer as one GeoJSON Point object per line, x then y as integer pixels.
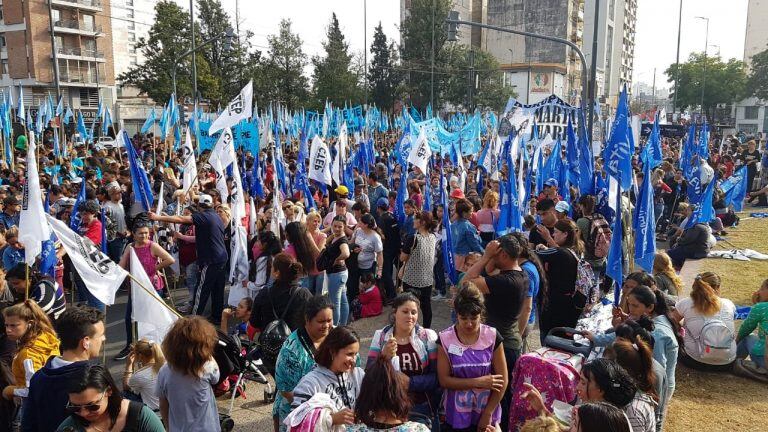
{"type": "Point", "coordinates": [68, 116]}
{"type": "Point", "coordinates": [652, 151]}
{"type": "Point", "coordinates": [618, 150]}
{"type": "Point", "coordinates": [615, 263]}
{"type": "Point", "coordinates": [75, 218]}
{"type": "Point", "coordinates": [573, 162]}
{"type": "Point", "coordinates": [142, 189]}
{"type": "Point", "coordinates": [644, 223]}
{"type": "Point", "coordinates": [149, 122]}
{"type": "Point", "coordinates": [448, 260]}
{"type": "Point", "coordinates": [240, 108]}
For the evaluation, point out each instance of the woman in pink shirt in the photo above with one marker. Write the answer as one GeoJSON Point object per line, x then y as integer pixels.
{"type": "Point", "coordinates": [488, 216]}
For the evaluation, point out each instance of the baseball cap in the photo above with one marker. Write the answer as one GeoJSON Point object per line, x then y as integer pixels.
{"type": "Point", "coordinates": [342, 190]}
{"type": "Point", "coordinates": [205, 200]}
{"type": "Point", "coordinates": [457, 193]}
{"type": "Point", "coordinates": [383, 203]}
{"type": "Point", "coordinates": [562, 207]}
{"type": "Point", "coordinates": [551, 182]}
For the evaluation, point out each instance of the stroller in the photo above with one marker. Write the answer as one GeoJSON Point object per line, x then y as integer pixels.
{"type": "Point", "coordinates": [553, 369]}
{"type": "Point", "coordinates": [238, 362]}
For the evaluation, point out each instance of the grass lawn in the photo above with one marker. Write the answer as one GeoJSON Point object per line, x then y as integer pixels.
{"type": "Point", "coordinates": [725, 402]}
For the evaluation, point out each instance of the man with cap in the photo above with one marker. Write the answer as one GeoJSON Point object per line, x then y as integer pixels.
{"type": "Point", "coordinates": [211, 255]}
{"type": "Point", "coordinates": [550, 191]}
{"type": "Point", "coordinates": [342, 193]}
{"type": "Point", "coordinates": [545, 210]}
{"type": "Point", "coordinates": [389, 226]}
{"type": "Point", "coordinates": [11, 212]}
{"type": "Point", "coordinates": [562, 208]}
{"type": "Point", "coordinates": [360, 195]}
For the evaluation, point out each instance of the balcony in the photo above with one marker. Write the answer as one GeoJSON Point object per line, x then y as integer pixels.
{"type": "Point", "coordinates": [80, 54]}
{"type": "Point", "coordinates": [89, 5]}
{"type": "Point", "coordinates": [77, 27]}
{"type": "Point", "coordinates": [77, 78]}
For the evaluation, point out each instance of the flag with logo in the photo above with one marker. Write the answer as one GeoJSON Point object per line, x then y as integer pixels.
{"type": "Point", "coordinates": [420, 152]}
{"type": "Point", "coordinates": [320, 162]}
{"type": "Point", "coordinates": [33, 230]}
{"type": "Point", "coordinates": [101, 275]}
{"type": "Point", "coordinates": [644, 223]}
{"type": "Point", "coordinates": [240, 108]}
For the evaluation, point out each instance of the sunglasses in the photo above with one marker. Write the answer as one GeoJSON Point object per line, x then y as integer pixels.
{"type": "Point", "coordinates": [91, 407]}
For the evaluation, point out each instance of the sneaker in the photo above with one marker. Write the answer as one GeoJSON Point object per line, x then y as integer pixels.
{"type": "Point", "coordinates": [123, 354]}
{"type": "Point", "coordinates": [438, 296]}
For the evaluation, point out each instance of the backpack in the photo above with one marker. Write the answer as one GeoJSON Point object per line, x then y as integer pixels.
{"type": "Point", "coordinates": [599, 240]}
{"type": "Point", "coordinates": [585, 282]}
{"type": "Point", "coordinates": [274, 335]}
{"type": "Point", "coordinates": [715, 342]}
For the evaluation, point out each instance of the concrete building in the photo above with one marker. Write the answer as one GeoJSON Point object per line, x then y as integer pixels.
{"type": "Point", "coordinates": [751, 114]}
{"type": "Point", "coordinates": [82, 34]}
{"type": "Point", "coordinates": [472, 10]}
{"type": "Point", "coordinates": [615, 47]}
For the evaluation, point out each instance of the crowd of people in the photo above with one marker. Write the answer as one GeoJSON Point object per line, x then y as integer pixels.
{"type": "Point", "coordinates": [359, 254]}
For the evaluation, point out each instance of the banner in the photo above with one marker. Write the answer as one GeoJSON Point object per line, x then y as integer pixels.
{"type": "Point", "coordinates": [152, 316]}
{"type": "Point", "coordinates": [100, 275]}
{"type": "Point", "coordinates": [240, 108]}
{"type": "Point", "coordinates": [247, 135]}
{"type": "Point", "coordinates": [550, 116]}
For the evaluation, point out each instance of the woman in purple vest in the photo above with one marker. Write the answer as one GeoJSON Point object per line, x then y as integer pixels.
{"type": "Point", "coordinates": [471, 367]}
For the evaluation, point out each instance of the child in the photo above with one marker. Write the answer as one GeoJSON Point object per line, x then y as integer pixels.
{"type": "Point", "coordinates": [469, 261]}
{"type": "Point", "coordinates": [754, 345]}
{"type": "Point", "coordinates": [242, 313]}
{"type": "Point", "coordinates": [368, 303]}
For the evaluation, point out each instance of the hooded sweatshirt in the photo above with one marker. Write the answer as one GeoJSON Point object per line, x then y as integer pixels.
{"type": "Point", "coordinates": [49, 393]}
{"type": "Point", "coordinates": [44, 346]}
{"type": "Point", "coordinates": [342, 388]}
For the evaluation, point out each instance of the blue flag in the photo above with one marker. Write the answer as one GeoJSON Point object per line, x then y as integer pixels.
{"type": "Point", "coordinates": [142, 189]}
{"type": "Point", "coordinates": [449, 264]}
{"type": "Point", "coordinates": [618, 149]}
{"type": "Point", "coordinates": [257, 187]}
{"type": "Point", "coordinates": [644, 223]}
{"type": "Point", "coordinates": [74, 218]}
{"type": "Point", "coordinates": [301, 183]}
{"type": "Point", "coordinates": [689, 150]}
{"type": "Point", "coordinates": [81, 129]}
{"type": "Point", "coordinates": [402, 195]}
{"type": "Point", "coordinates": [149, 122]}
{"type": "Point", "coordinates": [107, 121]}
{"type": "Point", "coordinates": [652, 151]}
{"type": "Point", "coordinates": [572, 155]}
{"type": "Point", "coordinates": [68, 116]}
{"type": "Point", "coordinates": [103, 231]}
{"type": "Point", "coordinates": [615, 265]}
{"type": "Point", "coordinates": [703, 148]}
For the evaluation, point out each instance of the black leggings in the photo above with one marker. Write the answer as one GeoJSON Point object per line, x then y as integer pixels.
{"type": "Point", "coordinates": [424, 294]}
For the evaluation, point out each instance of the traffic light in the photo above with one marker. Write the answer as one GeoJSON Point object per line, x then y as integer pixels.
{"type": "Point", "coordinates": [228, 38]}
{"type": "Point", "coordinates": [453, 27]}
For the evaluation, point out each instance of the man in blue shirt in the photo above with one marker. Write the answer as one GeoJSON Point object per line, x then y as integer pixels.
{"type": "Point", "coordinates": [11, 212]}
{"type": "Point", "coordinates": [211, 255]}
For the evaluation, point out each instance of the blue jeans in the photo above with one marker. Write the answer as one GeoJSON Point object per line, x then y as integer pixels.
{"type": "Point", "coordinates": [745, 348]}
{"type": "Point", "coordinates": [337, 293]}
{"type": "Point", "coordinates": [314, 283]}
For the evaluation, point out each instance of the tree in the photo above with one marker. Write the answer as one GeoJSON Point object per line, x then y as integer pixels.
{"type": "Point", "coordinates": [333, 77]}
{"type": "Point", "coordinates": [280, 78]}
{"type": "Point", "coordinates": [168, 38]}
{"type": "Point", "coordinates": [421, 32]}
{"type": "Point", "coordinates": [227, 65]}
{"type": "Point", "coordinates": [383, 78]}
{"type": "Point", "coordinates": [757, 82]}
{"type": "Point", "coordinates": [722, 82]}
{"type": "Point", "coordinates": [488, 92]}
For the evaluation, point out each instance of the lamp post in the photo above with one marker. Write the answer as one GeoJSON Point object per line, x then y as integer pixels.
{"type": "Point", "coordinates": [677, 59]}
{"type": "Point", "coordinates": [193, 50]}
{"type": "Point", "coordinates": [453, 22]}
{"type": "Point", "coordinates": [230, 34]}
{"type": "Point", "coordinates": [704, 69]}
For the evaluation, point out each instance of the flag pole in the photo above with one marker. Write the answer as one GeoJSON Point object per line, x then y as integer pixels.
{"type": "Point", "coordinates": [153, 295]}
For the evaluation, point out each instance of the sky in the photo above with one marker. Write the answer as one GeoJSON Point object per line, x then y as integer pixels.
{"type": "Point", "coordinates": [655, 38]}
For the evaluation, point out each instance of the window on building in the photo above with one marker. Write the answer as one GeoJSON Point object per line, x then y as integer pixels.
{"type": "Point", "coordinates": [131, 25]}
{"type": "Point", "coordinates": [131, 37]}
{"type": "Point", "coordinates": [611, 9]}
{"type": "Point", "coordinates": [89, 97]}
{"type": "Point", "coordinates": [129, 2]}
{"type": "Point", "coordinates": [89, 46]}
{"type": "Point", "coordinates": [4, 66]}
{"type": "Point", "coordinates": [89, 22]}
{"type": "Point", "coordinates": [1, 14]}
{"type": "Point", "coordinates": [134, 61]}
{"type": "Point", "coordinates": [2, 41]}
{"type": "Point", "coordinates": [750, 112]}
{"type": "Point", "coordinates": [129, 13]}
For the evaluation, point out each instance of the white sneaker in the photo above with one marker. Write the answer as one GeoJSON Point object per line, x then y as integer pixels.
{"type": "Point", "coordinates": [438, 296]}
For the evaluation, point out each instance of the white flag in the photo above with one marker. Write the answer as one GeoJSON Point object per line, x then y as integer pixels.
{"type": "Point", "coordinates": [33, 230]}
{"type": "Point", "coordinates": [224, 150]}
{"type": "Point", "coordinates": [188, 162]}
{"type": "Point", "coordinates": [160, 200]}
{"type": "Point", "coordinates": [420, 152]}
{"type": "Point", "coordinates": [238, 269]}
{"type": "Point", "coordinates": [150, 312]}
{"type": "Point", "coordinates": [240, 108]}
{"type": "Point", "coordinates": [100, 274]}
{"type": "Point", "coordinates": [320, 161]}
{"type": "Point", "coordinates": [341, 147]}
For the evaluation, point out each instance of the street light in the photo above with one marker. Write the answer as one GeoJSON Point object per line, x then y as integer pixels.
{"type": "Point", "coordinates": [704, 69]}
{"type": "Point", "coordinates": [453, 22]}
{"type": "Point", "coordinates": [229, 35]}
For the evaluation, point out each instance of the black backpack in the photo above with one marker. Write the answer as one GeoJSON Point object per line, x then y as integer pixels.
{"type": "Point", "coordinates": [275, 334]}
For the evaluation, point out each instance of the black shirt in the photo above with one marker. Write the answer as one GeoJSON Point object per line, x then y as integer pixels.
{"type": "Point", "coordinates": [559, 308]}
{"type": "Point", "coordinates": [503, 303]}
{"type": "Point", "coordinates": [750, 159]}
{"type": "Point", "coordinates": [391, 230]}
{"type": "Point", "coordinates": [536, 239]}
{"type": "Point", "coordinates": [334, 251]}
{"type": "Point", "coordinates": [262, 313]}
{"type": "Point", "coordinates": [209, 238]}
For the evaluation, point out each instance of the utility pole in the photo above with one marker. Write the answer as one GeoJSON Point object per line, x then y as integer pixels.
{"type": "Point", "coordinates": [365, 51]}
{"type": "Point", "coordinates": [194, 60]}
{"type": "Point", "coordinates": [592, 73]}
{"type": "Point", "coordinates": [55, 53]}
{"type": "Point", "coordinates": [432, 63]}
{"type": "Point", "coordinates": [677, 59]}
{"type": "Point", "coordinates": [654, 86]}
{"type": "Point", "coordinates": [704, 68]}
{"type": "Point", "coordinates": [471, 80]}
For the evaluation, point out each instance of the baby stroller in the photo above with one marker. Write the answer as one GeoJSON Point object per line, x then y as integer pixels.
{"type": "Point", "coordinates": [553, 370]}
{"type": "Point", "coordinates": [238, 363]}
